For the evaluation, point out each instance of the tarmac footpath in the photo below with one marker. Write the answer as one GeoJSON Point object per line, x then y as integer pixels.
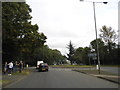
{"type": "Point", "coordinates": [103, 75]}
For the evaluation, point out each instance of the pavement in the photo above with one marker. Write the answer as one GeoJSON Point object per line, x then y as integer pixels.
{"type": "Point", "coordinates": [103, 75]}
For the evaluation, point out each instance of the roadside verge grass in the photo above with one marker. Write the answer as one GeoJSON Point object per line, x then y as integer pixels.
{"type": "Point", "coordinates": [14, 77]}
{"type": "Point", "coordinates": [84, 66]}
{"type": "Point", "coordinates": [71, 66]}
{"type": "Point", "coordinates": [24, 72]}
{"type": "Point", "coordinates": [5, 82]}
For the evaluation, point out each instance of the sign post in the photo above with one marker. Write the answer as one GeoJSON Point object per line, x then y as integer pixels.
{"type": "Point", "coordinates": [93, 56]}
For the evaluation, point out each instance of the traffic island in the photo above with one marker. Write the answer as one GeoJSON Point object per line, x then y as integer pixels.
{"type": "Point", "coordinates": [103, 75]}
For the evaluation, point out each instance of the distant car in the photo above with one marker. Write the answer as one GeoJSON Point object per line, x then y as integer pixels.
{"type": "Point", "coordinates": [43, 67]}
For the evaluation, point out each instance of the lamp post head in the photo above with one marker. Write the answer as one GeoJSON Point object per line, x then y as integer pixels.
{"type": "Point", "coordinates": [105, 2]}
{"type": "Point", "coordinates": [95, 2]}
{"type": "Point", "coordinates": [81, 0]}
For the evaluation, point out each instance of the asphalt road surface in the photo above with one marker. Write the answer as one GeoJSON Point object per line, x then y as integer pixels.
{"type": "Point", "coordinates": [61, 78]}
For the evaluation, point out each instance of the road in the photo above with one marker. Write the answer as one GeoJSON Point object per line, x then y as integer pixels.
{"type": "Point", "coordinates": [61, 78]}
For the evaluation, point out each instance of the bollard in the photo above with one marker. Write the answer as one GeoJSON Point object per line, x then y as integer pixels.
{"type": "Point", "coordinates": [97, 67]}
{"type": "Point", "coordinates": [27, 65]}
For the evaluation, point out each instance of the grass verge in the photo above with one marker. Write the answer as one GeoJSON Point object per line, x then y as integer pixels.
{"type": "Point", "coordinates": [14, 77]}
{"type": "Point", "coordinates": [70, 66]}
{"type": "Point", "coordinates": [5, 82]}
{"type": "Point", "coordinates": [24, 72]}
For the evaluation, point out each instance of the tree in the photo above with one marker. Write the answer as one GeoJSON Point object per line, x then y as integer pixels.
{"type": "Point", "coordinates": [78, 56]}
{"type": "Point", "coordinates": [102, 49]}
{"type": "Point", "coordinates": [71, 52]}
{"type": "Point", "coordinates": [81, 55]}
{"type": "Point", "coordinates": [109, 36]}
{"type": "Point", "coordinates": [47, 55]}
{"type": "Point", "coordinates": [20, 37]}
{"type": "Point", "coordinates": [14, 15]}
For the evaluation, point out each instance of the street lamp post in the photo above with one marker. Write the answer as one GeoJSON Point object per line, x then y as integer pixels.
{"type": "Point", "coordinates": [97, 51]}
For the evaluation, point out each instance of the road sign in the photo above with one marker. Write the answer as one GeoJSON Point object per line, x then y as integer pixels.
{"type": "Point", "coordinates": [92, 55]}
{"type": "Point", "coordinates": [94, 58]}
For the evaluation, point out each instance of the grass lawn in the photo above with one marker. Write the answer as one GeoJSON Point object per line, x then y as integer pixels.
{"type": "Point", "coordinates": [0, 71]}
{"type": "Point", "coordinates": [85, 66]}
{"type": "Point", "coordinates": [5, 82]}
{"type": "Point", "coordinates": [24, 72]}
{"type": "Point", "coordinates": [0, 82]}
{"type": "Point", "coordinates": [17, 75]}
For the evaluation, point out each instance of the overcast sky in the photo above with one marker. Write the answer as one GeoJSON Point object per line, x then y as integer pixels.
{"type": "Point", "coordinates": [65, 20]}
